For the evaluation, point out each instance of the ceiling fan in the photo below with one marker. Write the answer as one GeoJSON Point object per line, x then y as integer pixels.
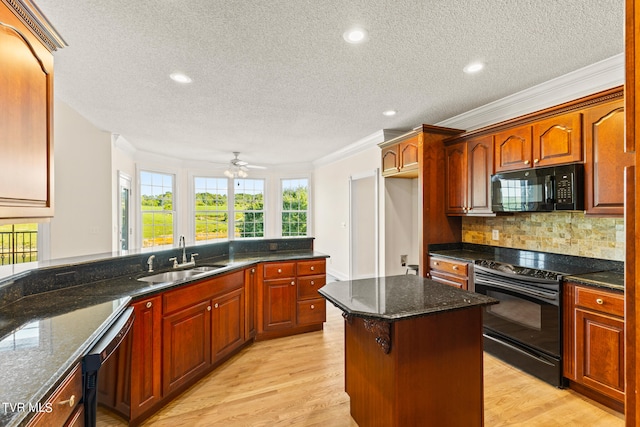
{"type": "Point", "coordinates": [238, 167]}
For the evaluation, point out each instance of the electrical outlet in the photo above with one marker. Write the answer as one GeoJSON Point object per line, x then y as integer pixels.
{"type": "Point", "coordinates": [495, 235]}
{"type": "Point", "coordinates": [403, 260]}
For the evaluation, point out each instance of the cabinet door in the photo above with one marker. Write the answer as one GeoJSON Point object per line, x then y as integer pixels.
{"type": "Point", "coordinates": [480, 168]}
{"type": "Point", "coordinates": [146, 358]}
{"type": "Point", "coordinates": [186, 345]}
{"type": "Point", "coordinates": [513, 149]}
{"type": "Point", "coordinates": [26, 79]}
{"type": "Point", "coordinates": [279, 304]}
{"type": "Point", "coordinates": [558, 140]}
{"type": "Point", "coordinates": [456, 178]}
{"type": "Point", "coordinates": [390, 160]}
{"type": "Point", "coordinates": [600, 352]}
{"type": "Point", "coordinates": [408, 151]}
{"type": "Point", "coordinates": [605, 159]}
{"type": "Point", "coordinates": [227, 323]}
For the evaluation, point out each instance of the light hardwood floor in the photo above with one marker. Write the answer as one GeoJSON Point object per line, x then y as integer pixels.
{"type": "Point", "coordinates": [299, 381]}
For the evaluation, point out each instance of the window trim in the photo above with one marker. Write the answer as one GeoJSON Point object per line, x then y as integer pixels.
{"type": "Point", "coordinates": [174, 210]}
{"type": "Point", "coordinates": [192, 207]}
{"type": "Point", "coordinates": [309, 204]}
{"type": "Point", "coordinates": [232, 208]}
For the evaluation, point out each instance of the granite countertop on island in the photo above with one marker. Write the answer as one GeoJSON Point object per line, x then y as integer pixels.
{"type": "Point", "coordinates": [397, 298]}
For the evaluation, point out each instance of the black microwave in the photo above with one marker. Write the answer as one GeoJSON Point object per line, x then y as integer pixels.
{"type": "Point", "coordinates": [557, 188]}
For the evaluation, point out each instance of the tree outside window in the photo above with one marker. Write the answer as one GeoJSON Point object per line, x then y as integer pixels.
{"type": "Point", "coordinates": [156, 195]}
{"type": "Point", "coordinates": [248, 207]}
{"type": "Point", "coordinates": [211, 208]}
{"type": "Point", "coordinates": [295, 207]}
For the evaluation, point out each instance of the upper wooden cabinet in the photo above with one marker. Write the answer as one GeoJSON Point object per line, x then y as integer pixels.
{"type": "Point", "coordinates": [548, 142]}
{"type": "Point", "coordinates": [401, 158]}
{"type": "Point", "coordinates": [605, 159]}
{"type": "Point", "coordinates": [469, 166]}
{"type": "Point", "coordinates": [26, 102]}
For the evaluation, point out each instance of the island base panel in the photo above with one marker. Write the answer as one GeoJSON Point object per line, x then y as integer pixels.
{"type": "Point", "coordinates": [432, 375]}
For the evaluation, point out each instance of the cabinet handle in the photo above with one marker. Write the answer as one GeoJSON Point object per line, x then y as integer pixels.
{"type": "Point", "coordinates": [208, 308]}
{"type": "Point", "coordinates": [149, 304]}
{"type": "Point", "coordinates": [526, 162]}
{"type": "Point", "coordinates": [312, 306]}
{"type": "Point", "coordinates": [436, 263]}
{"type": "Point", "coordinates": [536, 161]}
{"type": "Point", "coordinates": [455, 267]}
{"type": "Point", "coordinates": [599, 301]}
{"type": "Point", "coordinates": [253, 270]}
{"type": "Point", "coordinates": [279, 270]}
{"type": "Point", "coordinates": [313, 283]}
{"type": "Point", "coordinates": [215, 305]}
{"type": "Point", "coordinates": [71, 401]}
{"type": "Point", "coordinates": [312, 268]}
{"type": "Point", "coordinates": [293, 283]}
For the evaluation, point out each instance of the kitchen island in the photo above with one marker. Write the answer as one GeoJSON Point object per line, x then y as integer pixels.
{"type": "Point", "coordinates": [413, 351]}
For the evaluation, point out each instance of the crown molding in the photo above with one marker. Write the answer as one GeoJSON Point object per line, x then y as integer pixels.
{"type": "Point", "coordinates": [593, 78]}
{"type": "Point", "coordinates": [360, 145]}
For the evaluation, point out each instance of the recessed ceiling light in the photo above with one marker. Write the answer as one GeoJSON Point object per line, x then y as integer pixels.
{"type": "Point", "coordinates": [355, 35]}
{"type": "Point", "coordinates": [390, 113]}
{"type": "Point", "coordinates": [180, 78]}
{"type": "Point", "coordinates": [474, 67]}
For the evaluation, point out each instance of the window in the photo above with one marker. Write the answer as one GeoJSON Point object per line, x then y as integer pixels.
{"type": "Point", "coordinates": [18, 243]}
{"type": "Point", "coordinates": [248, 207]}
{"type": "Point", "coordinates": [156, 199]}
{"type": "Point", "coordinates": [295, 206]}
{"type": "Point", "coordinates": [211, 208]}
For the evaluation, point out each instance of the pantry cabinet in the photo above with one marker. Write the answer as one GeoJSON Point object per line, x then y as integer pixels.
{"type": "Point", "coordinates": [594, 359]}
{"type": "Point", "coordinates": [606, 159]}
{"type": "Point", "coordinates": [469, 165]}
{"type": "Point", "coordinates": [26, 102]}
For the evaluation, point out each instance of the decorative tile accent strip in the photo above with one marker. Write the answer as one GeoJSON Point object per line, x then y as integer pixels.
{"type": "Point", "coordinates": [569, 233]}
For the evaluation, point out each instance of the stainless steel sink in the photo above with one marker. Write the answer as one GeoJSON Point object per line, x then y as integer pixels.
{"type": "Point", "coordinates": [176, 275]}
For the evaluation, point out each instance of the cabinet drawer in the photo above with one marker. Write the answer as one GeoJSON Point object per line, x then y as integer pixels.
{"type": "Point", "coordinates": [278, 270]}
{"type": "Point", "coordinates": [596, 299]}
{"type": "Point", "coordinates": [458, 268]}
{"type": "Point", "coordinates": [316, 266]}
{"type": "Point", "coordinates": [200, 291]}
{"type": "Point", "coordinates": [455, 281]}
{"type": "Point", "coordinates": [311, 311]}
{"type": "Point", "coordinates": [308, 286]}
{"type": "Point", "coordinates": [62, 403]}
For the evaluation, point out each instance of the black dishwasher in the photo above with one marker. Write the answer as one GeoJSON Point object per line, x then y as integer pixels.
{"type": "Point", "coordinates": [96, 357]}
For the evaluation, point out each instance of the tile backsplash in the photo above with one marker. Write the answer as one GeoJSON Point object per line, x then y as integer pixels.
{"type": "Point", "coordinates": [569, 233]}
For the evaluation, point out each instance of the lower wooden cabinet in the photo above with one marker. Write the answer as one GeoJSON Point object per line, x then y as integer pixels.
{"type": "Point", "coordinates": [594, 343]}
{"type": "Point", "coordinates": [449, 271]}
{"type": "Point", "coordinates": [64, 404]}
{"type": "Point", "coordinates": [227, 324]}
{"type": "Point", "coordinates": [279, 304]}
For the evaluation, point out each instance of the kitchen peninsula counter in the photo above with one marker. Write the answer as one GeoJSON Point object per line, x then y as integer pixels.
{"type": "Point", "coordinates": [413, 351]}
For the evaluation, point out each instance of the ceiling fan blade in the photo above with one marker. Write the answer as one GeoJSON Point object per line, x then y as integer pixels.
{"type": "Point", "coordinates": [255, 166]}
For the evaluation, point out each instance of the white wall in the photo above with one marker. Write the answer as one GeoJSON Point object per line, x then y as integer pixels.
{"type": "Point", "coordinates": [401, 225]}
{"type": "Point", "coordinates": [83, 188]}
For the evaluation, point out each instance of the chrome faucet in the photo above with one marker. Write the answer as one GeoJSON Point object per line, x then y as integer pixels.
{"type": "Point", "coordinates": [183, 245]}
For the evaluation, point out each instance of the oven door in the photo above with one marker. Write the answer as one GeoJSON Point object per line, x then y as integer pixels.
{"type": "Point", "coordinates": [523, 317]}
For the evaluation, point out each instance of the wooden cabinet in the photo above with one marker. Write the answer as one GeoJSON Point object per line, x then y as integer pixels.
{"type": "Point", "coordinates": [605, 159]}
{"type": "Point", "coordinates": [251, 302]}
{"type": "Point", "coordinates": [290, 302]}
{"type": "Point", "coordinates": [401, 158]}
{"type": "Point", "coordinates": [146, 356]}
{"type": "Point", "coordinates": [594, 343]}
{"type": "Point", "coordinates": [469, 165]}
{"type": "Point", "coordinates": [63, 408]}
{"type": "Point", "coordinates": [26, 102]}
{"type": "Point", "coordinates": [548, 142]}
{"type": "Point", "coordinates": [227, 323]}
{"type": "Point", "coordinates": [449, 271]}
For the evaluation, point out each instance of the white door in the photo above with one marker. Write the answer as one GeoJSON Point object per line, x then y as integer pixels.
{"type": "Point", "coordinates": [125, 229]}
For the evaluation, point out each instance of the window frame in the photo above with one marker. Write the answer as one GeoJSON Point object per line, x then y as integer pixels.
{"type": "Point", "coordinates": [233, 211]}
{"type": "Point", "coordinates": [174, 210]}
{"type": "Point", "coordinates": [193, 210]}
{"type": "Point", "coordinates": [281, 209]}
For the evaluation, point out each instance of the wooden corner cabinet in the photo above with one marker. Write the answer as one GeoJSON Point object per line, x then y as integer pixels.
{"type": "Point", "coordinates": [26, 101]}
{"type": "Point", "coordinates": [594, 361]}
{"type": "Point", "coordinates": [469, 165]}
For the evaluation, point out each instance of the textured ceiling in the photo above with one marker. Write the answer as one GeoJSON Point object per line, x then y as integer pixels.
{"type": "Point", "coordinates": [275, 80]}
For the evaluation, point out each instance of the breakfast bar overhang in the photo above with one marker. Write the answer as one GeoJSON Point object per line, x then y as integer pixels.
{"type": "Point", "coordinates": [413, 351]}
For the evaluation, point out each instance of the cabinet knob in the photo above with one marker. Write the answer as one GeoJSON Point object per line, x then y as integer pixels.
{"type": "Point", "coordinates": [312, 268]}
{"type": "Point", "coordinates": [208, 308]}
{"type": "Point", "coordinates": [526, 162]}
{"type": "Point", "coordinates": [279, 270]}
{"type": "Point", "coordinates": [293, 283]}
{"type": "Point", "coordinates": [536, 160]}
{"type": "Point", "coordinates": [313, 283]}
{"type": "Point", "coordinates": [436, 263]}
{"type": "Point", "coordinates": [149, 304]}
{"type": "Point", "coordinates": [70, 401]}
{"type": "Point", "coordinates": [312, 306]}
{"type": "Point", "coordinates": [215, 305]}
{"type": "Point", "coordinates": [253, 270]}
{"type": "Point", "coordinates": [600, 301]}
{"type": "Point", "coordinates": [455, 267]}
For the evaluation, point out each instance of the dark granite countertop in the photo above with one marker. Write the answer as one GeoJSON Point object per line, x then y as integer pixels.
{"type": "Point", "coordinates": [589, 271]}
{"type": "Point", "coordinates": [43, 335]}
{"type": "Point", "coordinates": [396, 298]}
